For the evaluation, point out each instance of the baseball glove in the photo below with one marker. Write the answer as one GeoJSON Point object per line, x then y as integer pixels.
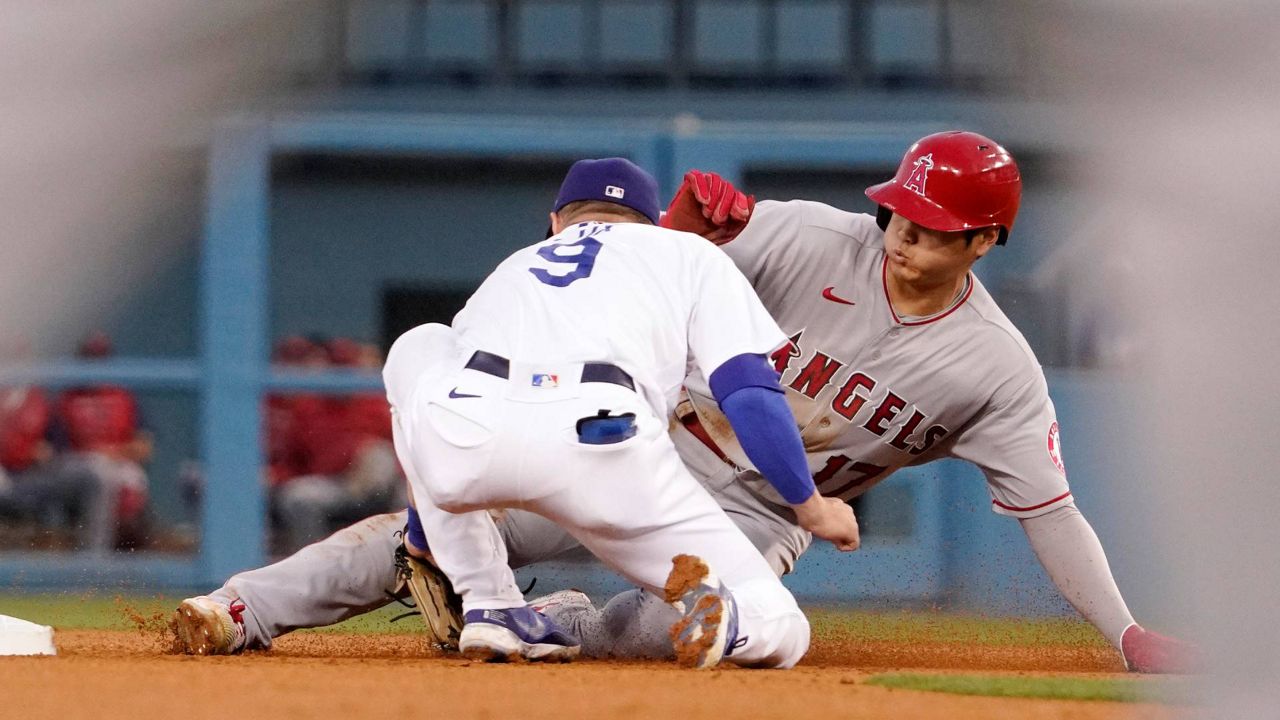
{"type": "Point", "coordinates": [436, 601]}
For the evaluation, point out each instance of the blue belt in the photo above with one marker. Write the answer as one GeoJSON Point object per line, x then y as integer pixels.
{"type": "Point", "coordinates": [499, 366]}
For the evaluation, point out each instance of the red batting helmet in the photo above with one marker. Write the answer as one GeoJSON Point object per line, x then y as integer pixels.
{"type": "Point", "coordinates": [952, 181]}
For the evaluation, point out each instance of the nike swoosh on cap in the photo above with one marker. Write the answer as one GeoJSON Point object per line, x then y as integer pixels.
{"type": "Point", "coordinates": [830, 295]}
{"type": "Point", "coordinates": [455, 394]}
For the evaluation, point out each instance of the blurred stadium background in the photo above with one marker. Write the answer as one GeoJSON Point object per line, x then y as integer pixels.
{"type": "Point", "coordinates": [203, 182]}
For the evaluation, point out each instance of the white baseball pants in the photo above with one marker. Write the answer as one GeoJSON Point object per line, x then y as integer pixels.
{"type": "Point", "coordinates": [470, 441]}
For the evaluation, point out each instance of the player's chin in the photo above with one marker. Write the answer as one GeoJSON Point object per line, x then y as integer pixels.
{"type": "Point", "coordinates": [904, 272]}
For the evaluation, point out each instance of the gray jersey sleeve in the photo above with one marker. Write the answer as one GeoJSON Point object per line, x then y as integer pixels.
{"type": "Point", "coordinates": [1015, 443]}
{"type": "Point", "coordinates": [770, 239]}
{"type": "Point", "coordinates": [773, 227]}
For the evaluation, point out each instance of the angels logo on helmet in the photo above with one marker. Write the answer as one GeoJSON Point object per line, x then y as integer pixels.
{"type": "Point", "coordinates": [919, 174]}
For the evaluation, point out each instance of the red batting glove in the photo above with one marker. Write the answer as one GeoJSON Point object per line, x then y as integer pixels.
{"type": "Point", "coordinates": [1148, 652]}
{"type": "Point", "coordinates": [708, 205]}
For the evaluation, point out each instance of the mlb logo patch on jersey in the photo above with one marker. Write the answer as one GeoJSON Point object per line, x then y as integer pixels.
{"type": "Point", "coordinates": [614, 191]}
{"type": "Point", "coordinates": [546, 380]}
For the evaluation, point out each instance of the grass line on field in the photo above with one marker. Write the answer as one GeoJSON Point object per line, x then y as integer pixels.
{"type": "Point", "coordinates": [940, 627]}
{"type": "Point", "coordinates": [109, 611]}
{"type": "Point", "coordinates": [1165, 690]}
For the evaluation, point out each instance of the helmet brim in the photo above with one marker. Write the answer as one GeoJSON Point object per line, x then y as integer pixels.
{"type": "Point", "coordinates": [916, 208]}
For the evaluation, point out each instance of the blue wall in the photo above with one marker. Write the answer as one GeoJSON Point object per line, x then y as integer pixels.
{"type": "Point", "coordinates": [339, 235]}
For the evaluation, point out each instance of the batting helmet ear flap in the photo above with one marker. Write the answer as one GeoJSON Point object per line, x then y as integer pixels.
{"type": "Point", "coordinates": [883, 215]}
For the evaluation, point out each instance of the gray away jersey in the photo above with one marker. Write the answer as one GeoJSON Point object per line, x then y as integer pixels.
{"type": "Point", "coordinates": [873, 392]}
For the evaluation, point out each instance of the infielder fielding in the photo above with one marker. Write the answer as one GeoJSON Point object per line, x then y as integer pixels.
{"type": "Point", "coordinates": [898, 356]}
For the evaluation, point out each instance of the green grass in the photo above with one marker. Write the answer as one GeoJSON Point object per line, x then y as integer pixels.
{"type": "Point", "coordinates": [928, 626]}
{"type": "Point", "coordinates": [99, 610]}
{"type": "Point", "coordinates": [1041, 687]}
{"type": "Point", "coordinates": [95, 611]}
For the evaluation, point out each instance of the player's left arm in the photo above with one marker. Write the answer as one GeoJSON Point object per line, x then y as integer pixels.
{"type": "Point", "coordinates": [1016, 443]}
{"type": "Point", "coordinates": [1072, 555]}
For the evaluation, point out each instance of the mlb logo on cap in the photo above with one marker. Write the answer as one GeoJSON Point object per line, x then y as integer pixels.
{"type": "Point", "coordinates": [546, 380]}
{"type": "Point", "coordinates": [614, 180]}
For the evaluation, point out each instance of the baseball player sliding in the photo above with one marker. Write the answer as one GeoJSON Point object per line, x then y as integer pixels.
{"type": "Point", "coordinates": [897, 356]}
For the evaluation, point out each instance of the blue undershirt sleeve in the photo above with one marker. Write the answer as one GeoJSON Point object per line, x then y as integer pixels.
{"type": "Point", "coordinates": [747, 389]}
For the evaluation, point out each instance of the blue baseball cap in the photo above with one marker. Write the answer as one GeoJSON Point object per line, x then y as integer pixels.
{"type": "Point", "coordinates": [614, 180]}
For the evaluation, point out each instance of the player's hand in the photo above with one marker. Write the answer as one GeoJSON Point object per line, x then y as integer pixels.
{"type": "Point", "coordinates": [829, 519]}
{"type": "Point", "coordinates": [1148, 652]}
{"type": "Point", "coordinates": [708, 205]}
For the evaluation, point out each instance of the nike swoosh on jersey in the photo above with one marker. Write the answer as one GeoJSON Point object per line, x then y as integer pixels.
{"type": "Point", "coordinates": [455, 394]}
{"type": "Point", "coordinates": [828, 294]}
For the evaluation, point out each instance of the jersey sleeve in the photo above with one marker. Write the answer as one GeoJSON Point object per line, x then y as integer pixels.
{"type": "Point", "coordinates": [785, 234]}
{"type": "Point", "coordinates": [774, 226]}
{"type": "Point", "coordinates": [728, 318]}
{"type": "Point", "coordinates": [1016, 445]}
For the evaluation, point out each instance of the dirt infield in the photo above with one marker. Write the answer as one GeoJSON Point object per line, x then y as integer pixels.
{"type": "Point", "coordinates": [110, 675]}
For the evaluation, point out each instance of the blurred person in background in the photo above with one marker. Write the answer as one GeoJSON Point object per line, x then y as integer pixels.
{"type": "Point", "coordinates": [341, 446]}
{"type": "Point", "coordinates": [25, 451]}
{"type": "Point", "coordinates": [286, 414]}
{"type": "Point", "coordinates": [100, 478]}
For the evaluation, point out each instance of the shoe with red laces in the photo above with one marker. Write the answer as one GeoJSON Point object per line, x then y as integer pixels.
{"type": "Point", "coordinates": [204, 626]}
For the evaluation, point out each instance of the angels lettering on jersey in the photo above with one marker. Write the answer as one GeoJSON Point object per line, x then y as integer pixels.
{"type": "Point", "coordinates": [810, 372]}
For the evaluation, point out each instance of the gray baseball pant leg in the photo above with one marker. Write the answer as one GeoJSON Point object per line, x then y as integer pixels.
{"type": "Point", "coordinates": [349, 573]}
{"type": "Point", "coordinates": [353, 572]}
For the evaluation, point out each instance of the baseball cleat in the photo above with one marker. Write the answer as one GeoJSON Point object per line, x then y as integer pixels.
{"type": "Point", "coordinates": [438, 604]}
{"type": "Point", "coordinates": [708, 629]}
{"type": "Point", "coordinates": [204, 626]}
{"type": "Point", "coordinates": [511, 634]}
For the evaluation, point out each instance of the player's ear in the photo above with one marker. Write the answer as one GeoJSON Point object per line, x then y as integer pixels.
{"type": "Point", "coordinates": [556, 225]}
{"type": "Point", "coordinates": [985, 239]}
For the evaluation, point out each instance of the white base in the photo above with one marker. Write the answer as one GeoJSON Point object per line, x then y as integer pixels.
{"type": "Point", "coordinates": [19, 637]}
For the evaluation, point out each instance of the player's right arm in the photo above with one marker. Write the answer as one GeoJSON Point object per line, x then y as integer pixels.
{"type": "Point", "coordinates": [708, 205]}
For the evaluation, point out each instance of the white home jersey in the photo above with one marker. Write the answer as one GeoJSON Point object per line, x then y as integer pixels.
{"type": "Point", "coordinates": [649, 300]}
{"type": "Point", "coordinates": [872, 391]}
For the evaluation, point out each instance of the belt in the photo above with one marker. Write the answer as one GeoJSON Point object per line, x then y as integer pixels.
{"type": "Point", "coordinates": [498, 366]}
{"type": "Point", "coordinates": [693, 424]}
